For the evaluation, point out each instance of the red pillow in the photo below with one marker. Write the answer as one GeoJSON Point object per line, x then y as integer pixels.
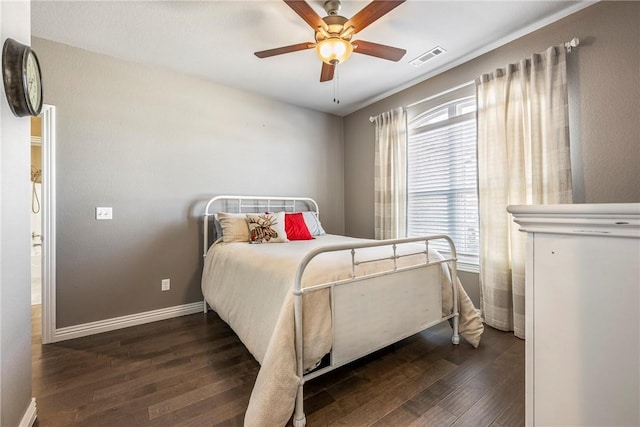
{"type": "Point", "coordinates": [296, 228]}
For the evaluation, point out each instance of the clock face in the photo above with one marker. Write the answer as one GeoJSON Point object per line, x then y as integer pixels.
{"type": "Point", "coordinates": [21, 78]}
{"type": "Point", "coordinates": [34, 88]}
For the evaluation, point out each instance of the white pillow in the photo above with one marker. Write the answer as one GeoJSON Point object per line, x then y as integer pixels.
{"type": "Point", "coordinates": [267, 228]}
{"type": "Point", "coordinates": [234, 227]}
{"type": "Point", "coordinates": [313, 223]}
{"type": "Point", "coordinates": [217, 226]}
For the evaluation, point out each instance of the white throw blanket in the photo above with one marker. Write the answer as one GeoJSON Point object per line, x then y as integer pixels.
{"type": "Point", "coordinates": [250, 287]}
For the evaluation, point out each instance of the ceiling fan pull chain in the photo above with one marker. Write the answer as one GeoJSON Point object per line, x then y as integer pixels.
{"type": "Point", "coordinates": [336, 89]}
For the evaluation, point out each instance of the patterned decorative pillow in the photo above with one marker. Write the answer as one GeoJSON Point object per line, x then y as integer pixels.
{"type": "Point", "coordinates": [267, 228]}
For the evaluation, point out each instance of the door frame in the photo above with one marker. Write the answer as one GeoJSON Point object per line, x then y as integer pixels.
{"type": "Point", "coordinates": [48, 303]}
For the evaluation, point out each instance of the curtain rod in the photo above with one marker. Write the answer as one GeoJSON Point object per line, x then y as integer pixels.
{"type": "Point", "coordinates": [574, 42]}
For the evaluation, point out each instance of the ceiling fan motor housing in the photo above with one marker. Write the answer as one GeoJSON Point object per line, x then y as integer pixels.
{"type": "Point", "coordinates": [335, 25]}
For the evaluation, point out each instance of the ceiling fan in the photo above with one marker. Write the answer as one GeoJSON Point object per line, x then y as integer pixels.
{"type": "Point", "coordinates": [333, 34]}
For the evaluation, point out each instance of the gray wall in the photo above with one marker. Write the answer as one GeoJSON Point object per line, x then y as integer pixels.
{"type": "Point", "coordinates": [15, 270]}
{"type": "Point", "coordinates": [603, 76]}
{"type": "Point", "coordinates": [155, 145]}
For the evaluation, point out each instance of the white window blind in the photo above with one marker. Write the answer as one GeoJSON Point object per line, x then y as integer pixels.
{"type": "Point", "coordinates": [442, 176]}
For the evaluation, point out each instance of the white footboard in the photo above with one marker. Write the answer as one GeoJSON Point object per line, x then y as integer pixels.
{"type": "Point", "coordinates": [381, 312]}
{"type": "Point", "coordinates": [372, 311]}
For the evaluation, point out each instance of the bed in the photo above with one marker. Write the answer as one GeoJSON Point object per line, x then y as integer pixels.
{"type": "Point", "coordinates": [305, 307]}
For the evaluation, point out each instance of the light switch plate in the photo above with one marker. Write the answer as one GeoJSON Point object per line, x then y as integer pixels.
{"type": "Point", "coordinates": [104, 213]}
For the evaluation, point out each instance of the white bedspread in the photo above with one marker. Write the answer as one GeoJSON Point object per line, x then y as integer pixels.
{"type": "Point", "coordinates": [250, 287]}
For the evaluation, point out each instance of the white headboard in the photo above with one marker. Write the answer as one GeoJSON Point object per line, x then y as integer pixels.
{"type": "Point", "coordinates": [249, 204]}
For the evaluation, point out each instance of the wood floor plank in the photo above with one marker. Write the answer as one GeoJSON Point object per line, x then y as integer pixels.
{"type": "Point", "coordinates": [317, 401]}
{"type": "Point", "coordinates": [486, 410]}
{"type": "Point", "coordinates": [377, 377]}
{"type": "Point", "coordinates": [196, 395]}
{"type": "Point", "coordinates": [393, 397]}
{"type": "Point", "coordinates": [485, 379]}
{"type": "Point", "coordinates": [513, 416]}
{"type": "Point", "coordinates": [427, 398]}
{"type": "Point", "coordinates": [465, 396]}
{"type": "Point", "coordinates": [169, 369]}
{"type": "Point", "coordinates": [435, 417]}
{"type": "Point", "coordinates": [400, 416]}
{"type": "Point", "coordinates": [213, 410]}
{"type": "Point", "coordinates": [174, 387]}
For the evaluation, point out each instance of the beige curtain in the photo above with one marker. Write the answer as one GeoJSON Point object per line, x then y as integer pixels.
{"type": "Point", "coordinates": [523, 158]}
{"type": "Point", "coordinates": [391, 174]}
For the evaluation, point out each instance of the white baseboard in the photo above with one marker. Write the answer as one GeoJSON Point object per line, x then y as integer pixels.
{"type": "Point", "coordinates": [112, 324]}
{"type": "Point", "coordinates": [30, 414]}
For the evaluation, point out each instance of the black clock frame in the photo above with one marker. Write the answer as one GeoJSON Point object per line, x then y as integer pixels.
{"type": "Point", "coordinates": [14, 76]}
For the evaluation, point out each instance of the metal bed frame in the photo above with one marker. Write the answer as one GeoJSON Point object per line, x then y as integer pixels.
{"type": "Point", "coordinates": [339, 356]}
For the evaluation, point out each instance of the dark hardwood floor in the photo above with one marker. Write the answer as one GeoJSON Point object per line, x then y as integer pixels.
{"type": "Point", "coordinates": [193, 371]}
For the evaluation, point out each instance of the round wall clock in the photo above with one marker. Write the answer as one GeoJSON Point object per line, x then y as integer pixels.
{"type": "Point", "coordinates": [22, 79]}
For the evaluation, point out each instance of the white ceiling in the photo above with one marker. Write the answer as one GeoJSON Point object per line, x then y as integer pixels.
{"type": "Point", "coordinates": [215, 40]}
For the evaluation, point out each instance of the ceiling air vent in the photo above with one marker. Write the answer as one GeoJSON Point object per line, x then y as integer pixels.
{"type": "Point", "coordinates": [427, 56]}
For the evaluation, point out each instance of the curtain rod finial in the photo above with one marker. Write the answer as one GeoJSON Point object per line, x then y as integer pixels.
{"type": "Point", "coordinates": [571, 44]}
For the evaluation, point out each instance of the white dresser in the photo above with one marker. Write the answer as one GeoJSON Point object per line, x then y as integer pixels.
{"type": "Point", "coordinates": [582, 314]}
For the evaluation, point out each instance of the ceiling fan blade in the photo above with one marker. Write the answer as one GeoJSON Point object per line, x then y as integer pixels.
{"type": "Point", "coordinates": [326, 73]}
{"type": "Point", "coordinates": [284, 49]}
{"type": "Point", "coordinates": [303, 9]}
{"type": "Point", "coordinates": [372, 12]}
{"type": "Point", "coordinates": [378, 50]}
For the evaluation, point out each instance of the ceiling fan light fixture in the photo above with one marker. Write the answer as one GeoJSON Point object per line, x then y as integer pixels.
{"type": "Point", "coordinates": [334, 50]}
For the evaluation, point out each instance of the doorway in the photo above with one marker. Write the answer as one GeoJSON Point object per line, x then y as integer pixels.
{"type": "Point", "coordinates": [36, 210]}
{"type": "Point", "coordinates": [43, 220]}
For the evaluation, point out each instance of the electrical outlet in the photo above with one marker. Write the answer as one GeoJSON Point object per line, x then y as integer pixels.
{"type": "Point", "coordinates": [166, 284]}
{"type": "Point", "coordinates": [104, 213]}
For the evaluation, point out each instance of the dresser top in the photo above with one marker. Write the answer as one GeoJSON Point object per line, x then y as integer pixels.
{"type": "Point", "coordinates": [578, 209]}
{"type": "Point", "coordinates": [613, 219]}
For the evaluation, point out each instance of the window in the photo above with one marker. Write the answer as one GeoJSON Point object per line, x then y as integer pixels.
{"type": "Point", "coordinates": [442, 176]}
